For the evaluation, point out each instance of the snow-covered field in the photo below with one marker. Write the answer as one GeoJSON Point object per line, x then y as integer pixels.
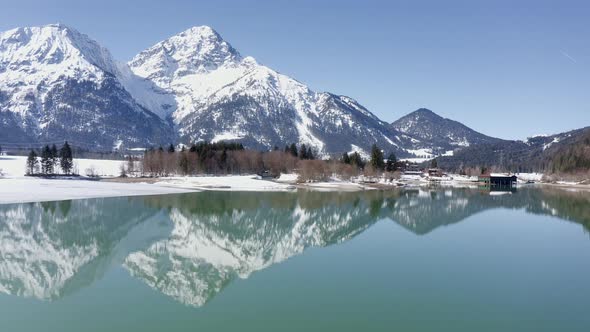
{"type": "Point", "coordinates": [20, 190]}
{"type": "Point", "coordinates": [529, 176]}
{"type": "Point", "coordinates": [15, 187]}
{"type": "Point", "coordinates": [337, 186]}
{"type": "Point", "coordinates": [14, 166]}
{"type": "Point", "coordinates": [224, 183]}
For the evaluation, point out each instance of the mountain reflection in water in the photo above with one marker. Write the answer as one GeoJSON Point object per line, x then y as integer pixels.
{"type": "Point", "coordinates": [190, 246]}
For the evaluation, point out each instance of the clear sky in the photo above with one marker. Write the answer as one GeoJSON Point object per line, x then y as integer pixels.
{"type": "Point", "coordinates": [509, 69]}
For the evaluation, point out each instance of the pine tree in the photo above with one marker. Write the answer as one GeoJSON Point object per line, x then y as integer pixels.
{"type": "Point", "coordinates": [66, 160]}
{"type": "Point", "coordinates": [183, 163]}
{"type": "Point", "coordinates": [434, 163]}
{"type": "Point", "coordinates": [390, 165]}
{"type": "Point", "coordinates": [32, 163]}
{"type": "Point", "coordinates": [54, 157]}
{"type": "Point", "coordinates": [310, 153]}
{"type": "Point", "coordinates": [223, 160]}
{"type": "Point", "coordinates": [171, 148]}
{"type": "Point", "coordinates": [355, 159]}
{"type": "Point", "coordinates": [293, 150]}
{"type": "Point", "coordinates": [130, 165]}
{"type": "Point", "coordinates": [46, 161]}
{"type": "Point", "coordinates": [345, 158]}
{"type": "Point", "coordinates": [303, 152]}
{"type": "Point", "coordinates": [377, 157]}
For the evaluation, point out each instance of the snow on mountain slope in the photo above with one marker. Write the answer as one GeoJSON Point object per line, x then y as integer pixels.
{"type": "Point", "coordinates": [56, 83]}
{"type": "Point", "coordinates": [218, 93]}
{"type": "Point", "coordinates": [435, 135]}
{"type": "Point", "coordinates": [43, 54]}
{"type": "Point", "coordinates": [189, 66]}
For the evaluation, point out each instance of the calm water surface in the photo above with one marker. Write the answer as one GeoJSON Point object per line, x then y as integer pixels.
{"type": "Point", "coordinates": [409, 260]}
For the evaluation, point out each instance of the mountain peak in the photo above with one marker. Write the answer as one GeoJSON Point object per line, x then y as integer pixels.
{"type": "Point", "coordinates": [52, 45]}
{"type": "Point", "coordinates": [58, 26]}
{"type": "Point", "coordinates": [196, 50]}
{"type": "Point", "coordinates": [57, 83]}
{"type": "Point", "coordinates": [201, 30]}
{"type": "Point", "coordinates": [434, 130]}
{"type": "Point", "coordinates": [198, 36]}
{"type": "Point", "coordinates": [424, 112]}
{"type": "Point", "coordinates": [52, 31]}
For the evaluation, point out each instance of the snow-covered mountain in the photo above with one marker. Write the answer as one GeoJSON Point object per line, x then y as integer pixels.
{"type": "Point", "coordinates": [436, 135]}
{"type": "Point", "coordinates": [58, 84]}
{"type": "Point", "coordinates": [211, 92]}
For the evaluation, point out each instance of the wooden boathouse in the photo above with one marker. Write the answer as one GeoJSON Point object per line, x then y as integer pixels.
{"type": "Point", "coordinates": [497, 180]}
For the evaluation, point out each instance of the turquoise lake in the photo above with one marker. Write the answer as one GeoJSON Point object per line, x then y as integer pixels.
{"type": "Point", "coordinates": [405, 260]}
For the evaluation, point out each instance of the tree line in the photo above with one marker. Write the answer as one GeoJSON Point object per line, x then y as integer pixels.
{"type": "Point", "coordinates": [210, 158]}
{"type": "Point", "coordinates": [49, 160]}
{"type": "Point", "coordinates": [222, 158]}
{"type": "Point", "coordinates": [574, 157]}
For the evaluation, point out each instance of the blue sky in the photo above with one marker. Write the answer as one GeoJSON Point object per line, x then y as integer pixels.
{"type": "Point", "coordinates": [477, 62]}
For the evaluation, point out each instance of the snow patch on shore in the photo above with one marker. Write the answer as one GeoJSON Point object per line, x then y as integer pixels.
{"type": "Point", "coordinates": [15, 187]}
{"type": "Point", "coordinates": [15, 166]}
{"type": "Point", "coordinates": [224, 183]}
{"type": "Point", "coordinates": [19, 190]}
{"type": "Point", "coordinates": [529, 176]}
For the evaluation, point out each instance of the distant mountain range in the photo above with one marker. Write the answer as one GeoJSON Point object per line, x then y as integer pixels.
{"type": "Point", "coordinates": [438, 134]}
{"type": "Point", "coordinates": [58, 84]}
{"type": "Point", "coordinates": [564, 152]}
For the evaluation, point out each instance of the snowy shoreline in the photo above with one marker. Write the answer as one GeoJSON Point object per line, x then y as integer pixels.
{"type": "Point", "coordinates": [42, 190]}
{"type": "Point", "coordinates": [17, 188]}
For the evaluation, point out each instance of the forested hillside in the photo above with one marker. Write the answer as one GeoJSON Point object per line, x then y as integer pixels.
{"type": "Point", "coordinates": [566, 152]}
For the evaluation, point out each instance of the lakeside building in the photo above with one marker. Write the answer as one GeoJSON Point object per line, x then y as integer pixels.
{"type": "Point", "coordinates": [437, 172]}
{"type": "Point", "coordinates": [497, 180]}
